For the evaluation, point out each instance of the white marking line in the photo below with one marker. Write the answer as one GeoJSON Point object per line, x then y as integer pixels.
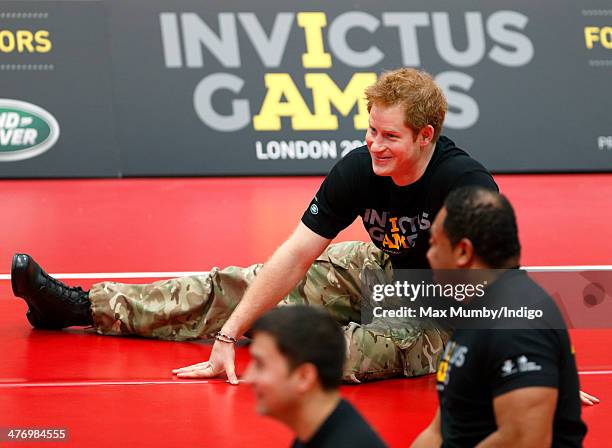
{"type": "Point", "coordinates": [596, 267]}
{"type": "Point", "coordinates": [596, 372]}
{"type": "Point", "coordinates": [106, 383]}
{"type": "Point", "coordinates": [104, 275]}
{"type": "Point", "coordinates": [19, 385]}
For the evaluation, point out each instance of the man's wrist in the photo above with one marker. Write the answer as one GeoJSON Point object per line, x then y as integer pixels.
{"type": "Point", "coordinates": [232, 328]}
{"type": "Point", "coordinates": [224, 337]}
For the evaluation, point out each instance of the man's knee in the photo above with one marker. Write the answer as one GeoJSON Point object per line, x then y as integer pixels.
{"type": "Point", "coordinates": [374, 354]}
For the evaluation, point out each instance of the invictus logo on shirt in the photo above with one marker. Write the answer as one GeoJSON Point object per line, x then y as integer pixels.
{"type": "Point", "coordinates": [395, 232]}
{"type": "Point", "coordinates": [454, 356]}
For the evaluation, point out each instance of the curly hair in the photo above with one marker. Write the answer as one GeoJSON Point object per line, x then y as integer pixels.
{"type": "Point", "coordinates": [422, 99]}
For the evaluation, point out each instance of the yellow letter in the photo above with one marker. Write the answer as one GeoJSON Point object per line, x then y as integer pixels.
{"type": "Point", "coordinates": [591, 34]}
{"type": "Point", "coordinates": [24, 41]}
{"type": "Point", "coordinates": [42, 39]}
{"type": "Point", "coordinates": [394, 227]}
{"type": "Point", "coordinates": [441, 374]}
{"type": "Point", "coordinates": [390, 244]}
{"type": "Point", "coordinates": [325, 92]}
{"type": "Point", "coordinates": [268, 119]}
{"type": "Point", "coordinates": [606, 37]}
{"type": "Point", "coordinates": [399, 240]}
{"type": "Point", "coordinates": [7, 36]}
{"type": "Point", "coordinates": [315, 56]}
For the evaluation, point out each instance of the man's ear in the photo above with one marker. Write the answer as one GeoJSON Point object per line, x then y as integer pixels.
{"type": "Point", "coordinates": [306, 376]}
{"type": "Point", "coordinates": [426, 134]}
{"type": "Point", "coordinates": [464, 253]}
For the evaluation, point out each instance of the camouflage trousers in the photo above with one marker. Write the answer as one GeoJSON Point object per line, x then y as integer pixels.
{"type": "Point", "coordinates": [198, 306]}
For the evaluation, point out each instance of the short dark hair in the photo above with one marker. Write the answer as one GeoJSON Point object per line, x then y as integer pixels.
{"type": "Point", "coordinates": [487, 219]}
{"type": "Point", "coordinates": [305, 334]}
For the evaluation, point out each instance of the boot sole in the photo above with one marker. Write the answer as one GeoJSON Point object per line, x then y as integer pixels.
{"type": "Point", "coordinates": [16, 292]}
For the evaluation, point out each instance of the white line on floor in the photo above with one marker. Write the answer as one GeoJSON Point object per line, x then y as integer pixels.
{"type": "Point", "coordinates": [595, 267]}
{"type": "Point", "coordinates": [25, 383]}
{"type": "Point", "coordinates": [596, 372]}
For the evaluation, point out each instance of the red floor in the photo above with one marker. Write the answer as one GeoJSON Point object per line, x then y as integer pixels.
{"type": "Point", "coordinates": [69, 379]}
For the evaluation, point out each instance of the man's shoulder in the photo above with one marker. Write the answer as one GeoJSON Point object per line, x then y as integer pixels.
{"type": "Point", "coordinates": [346, 427]}
{"type": "Point", "coordinates": [517, 283]}
{"type": "Point", "coordinates": [355, 167]}
{"type": "Point", "coordinates": [359, 158]}
{"type": "Point", "coordinates": [452, 167]}
{"type": "Point", "coordinates": [453, 158]}
{"type": "Point", "coordinates": [517, 288]}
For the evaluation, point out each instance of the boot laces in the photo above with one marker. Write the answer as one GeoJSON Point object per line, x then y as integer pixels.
{"type": "Point", "coordinates": [73, 293]}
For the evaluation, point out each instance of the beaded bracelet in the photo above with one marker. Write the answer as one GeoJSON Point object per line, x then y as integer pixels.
{"type": "Point", "coordinates": [225, 338]}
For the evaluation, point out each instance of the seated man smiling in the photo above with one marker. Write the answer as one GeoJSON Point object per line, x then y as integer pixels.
{"type": "Point", "coordinates": [296, 368]}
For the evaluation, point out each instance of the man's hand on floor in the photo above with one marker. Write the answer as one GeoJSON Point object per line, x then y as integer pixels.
{"type": "Point", "coordinates": [221, 360]}
{"type": "Point", "coordinates": [588, 400]}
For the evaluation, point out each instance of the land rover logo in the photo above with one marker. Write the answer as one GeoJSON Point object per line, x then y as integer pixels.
{"type": "Point", "coordinates": [26, 130]}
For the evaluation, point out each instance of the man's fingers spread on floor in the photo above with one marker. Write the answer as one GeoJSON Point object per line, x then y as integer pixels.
{"type": "Point", "coordinates": [588, 400]}
{"type": "Point", "coordinates": [201, 373]}
{"type": "Point", "coordinates": [197, 374]}
{"type": "Point", "coordinates": [191, 367]}
{"type": "Point", "coordinates": [591, 397]}
{"type": "Point", "coordinates": [231, 374]}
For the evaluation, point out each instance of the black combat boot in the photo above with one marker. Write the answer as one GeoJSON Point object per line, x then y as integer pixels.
{"type": "Point", "coordinates": [51, 304]}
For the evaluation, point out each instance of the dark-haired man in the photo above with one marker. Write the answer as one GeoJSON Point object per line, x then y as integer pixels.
{"type": "Point", "coordinates": [500, 387]}
{"type": "Point", "coordinates": [296, 368]}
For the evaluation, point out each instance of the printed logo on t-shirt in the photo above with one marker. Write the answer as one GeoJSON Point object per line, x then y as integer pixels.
{"type": "Point", "coordinates": [314, 209]}
{"type": "Point", "coordinates": [454, 356]}
{"type": "Point", "coordinates": [519, 364]}
{"type": "Point", "coordinates": [394, 234]}
{"type": "Point", "coordinates": [508, 368]}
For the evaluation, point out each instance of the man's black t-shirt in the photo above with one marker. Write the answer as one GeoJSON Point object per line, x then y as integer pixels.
{"type": "Point", "coordinates": [397, 218]}
{"type": "Point", "coordinates": [479, 365]}
{"type": "Point", "coordinates": [344, 428]}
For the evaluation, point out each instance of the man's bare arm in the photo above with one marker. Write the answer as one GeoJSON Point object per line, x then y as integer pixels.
{"type": "Point", "coordinates": [280, 274]}
{"type": "Point", "coordinates": [277, 278]}
{"type": "Point", "coordinates": [524, 418]}
{"type": "Point", "coordinates": [431, 436]}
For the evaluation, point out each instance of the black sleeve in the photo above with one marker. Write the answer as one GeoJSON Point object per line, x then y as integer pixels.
{"type": "Point", "coordinates": [335, 206]}
{"type": "Point", "coordinates": [524, 358]}
{"type": "Point", "coordinates": [480, 178]}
